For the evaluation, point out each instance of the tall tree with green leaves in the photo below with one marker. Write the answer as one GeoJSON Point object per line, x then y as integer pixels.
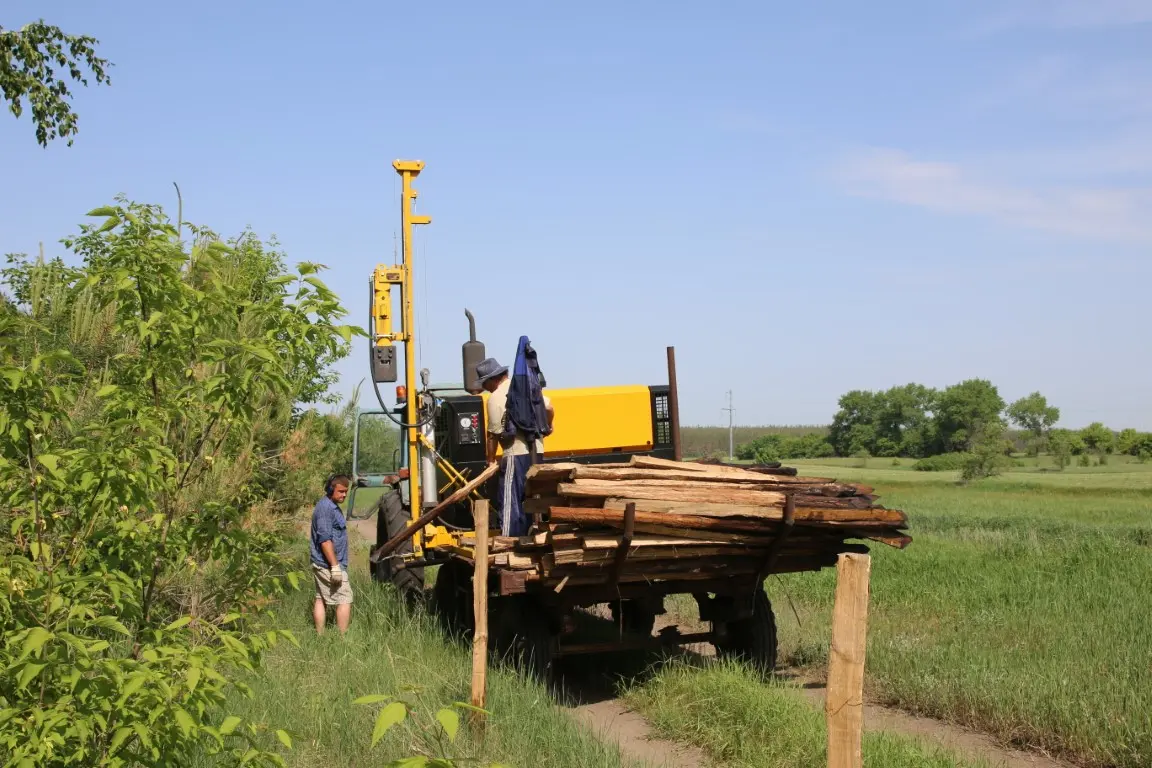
{"type": "Point", "coordinates": [967, 411]}
{"type": "Point", "coordinates": [1033, 414]}
{"type": "Point", "coordinates": [1098, 438]}
{"type": "Point", "coordinates": [36, 63]}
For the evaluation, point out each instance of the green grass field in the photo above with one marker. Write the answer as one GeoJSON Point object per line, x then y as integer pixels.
{"type": "Point", "coordinates": [1021, 608]}
{"type": "Point", "coordinates": [742, 722]}
{"type": "Point", "coordinates": [309, 692]}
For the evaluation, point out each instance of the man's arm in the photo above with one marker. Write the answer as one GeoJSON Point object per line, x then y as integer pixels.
{"type": "Point", "coordinates": [322, 520]}
{"type": "Point", "coordinates": [329, 552]}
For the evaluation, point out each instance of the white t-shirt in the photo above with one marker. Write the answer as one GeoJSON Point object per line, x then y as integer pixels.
{"type": "Point", "coordinates": [497, 408]}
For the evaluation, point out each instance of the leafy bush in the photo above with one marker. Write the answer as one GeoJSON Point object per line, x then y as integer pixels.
{"type": "Point", "coordinates": [777, 447]}
{"type": "Point", "coordinates": [146, 397]}
{"type": "Point", "coordinates": [944, 462]}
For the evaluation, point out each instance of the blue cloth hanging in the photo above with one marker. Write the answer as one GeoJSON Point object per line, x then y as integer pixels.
{"type": "Point", "coordinates": [525, 410]}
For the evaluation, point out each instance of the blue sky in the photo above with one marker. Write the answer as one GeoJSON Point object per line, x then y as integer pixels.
{"type": "Point", "coordinates": [802, 198]}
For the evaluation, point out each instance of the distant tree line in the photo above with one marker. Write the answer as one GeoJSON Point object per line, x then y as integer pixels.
{"type": "Point", "coordinates": [968, 422]}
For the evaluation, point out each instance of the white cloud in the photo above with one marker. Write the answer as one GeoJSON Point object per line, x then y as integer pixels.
{"type": "Point", "coordinates": [1071, 13]}
{"type": "Point", "coordinates": [1113, 213]}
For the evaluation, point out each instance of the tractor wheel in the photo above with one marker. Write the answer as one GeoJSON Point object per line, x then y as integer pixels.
{"type": "Point", "coordinates": [751, 639]}
{"type": "Point", "coordinates": [391, 519]}
{"type": "Point", "coordinates": [636, 616]}
{"type": "Point", "coordinates": [523, 637]}
{"type": "Point", "coordinates": [452, 599]}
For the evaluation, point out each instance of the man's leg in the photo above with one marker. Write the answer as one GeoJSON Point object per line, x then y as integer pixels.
{"type": "Point", "coordinates": [319, 614]}
{"type": "Point", "coordinates": [520, 520]}
{"type": "Point", "coordinates": [343, 616]}
{"type": "Point", "coordinates": [506, 494]}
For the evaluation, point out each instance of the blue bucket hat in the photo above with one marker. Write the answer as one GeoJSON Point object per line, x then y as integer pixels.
{"type": "Point", "coordinates": [489, 369]}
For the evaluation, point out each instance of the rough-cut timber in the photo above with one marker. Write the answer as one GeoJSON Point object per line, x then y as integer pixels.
{"type": "Point", "coordinates": [662, 523]}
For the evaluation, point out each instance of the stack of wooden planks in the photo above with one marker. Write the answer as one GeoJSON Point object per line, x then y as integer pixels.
{"type": "Point", "coordinates": [652, 519]}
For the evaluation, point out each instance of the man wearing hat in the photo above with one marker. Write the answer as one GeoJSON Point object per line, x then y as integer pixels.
{"type": "Point", "coordinates": [513, 473]}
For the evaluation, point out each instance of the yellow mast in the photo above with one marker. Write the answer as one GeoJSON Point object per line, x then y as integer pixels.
{"type": "Point", "coordinates": [409, 170]}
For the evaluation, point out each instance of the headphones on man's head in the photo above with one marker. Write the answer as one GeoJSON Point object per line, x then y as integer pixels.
{"type": "Point", "coordinates": [328, 487]}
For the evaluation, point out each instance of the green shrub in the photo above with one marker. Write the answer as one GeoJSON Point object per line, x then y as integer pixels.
{"type": "Point", "coordinates": [145, 397]}
{"type": "Point", "coordinates": [944, 462]}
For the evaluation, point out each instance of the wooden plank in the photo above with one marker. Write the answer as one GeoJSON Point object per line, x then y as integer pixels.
{"type": "Point", "coordinates": [697, 492]}
{"type": "Point", "coordinates": [595, 472]}
{"type": "Point", "coordinates": [613, 517]}
{"type": "Point", "coordinates": [514, 582]}
{"type": "Point", "coordinates": [805, 512]}
{"type": "Point", "coordinates": [560, 470]}
{"type": "Point", "coordinates": [459, 495]}
{"type": "Point", "coordinates": [844, 703]}
{"type": "Point", "coordinates": [480, 610]}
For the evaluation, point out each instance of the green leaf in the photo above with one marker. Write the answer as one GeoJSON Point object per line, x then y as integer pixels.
{"type": "Point", "coordinates": [294, 580]}
{"type": "Point", "coordinates": [183, 621]}
{"type": "Point", "coordinates": [104, 210]}
{"type": "Point", "coordinates": [28, 674]}
{"type": "Point", "coordinates": [388, 717]}
{"type": "Point", "coordinates": [193, 678]}
{"type": "Point", "coordinates": [418, 761]}
{"type": "Point", "coordinates": [37, 549]}
{"type": "Point", "coordinates": [229, 724]}
{"type": "Point", "coordinates": [466, 705]}
{"type": "Point", "coordinates": [107, 622]}
{"type": "Point", "coordinates": [35, 640]}
{"type": "Point", "coordinates": [135, 683]}
{"type": "Point", "coordinates": [449, 721]}
{"type": "Point", "coordinates": [109, 223]}
{"type": "Point", "coordinates": [374, 698]}
{"type": "Point", "coordinates": [185, 721]}
{"type": "Point", "coordinates": [106, 390]}
{"type": "Point", "coordinates": [285, 739]}
{"type": "Point", "coordinates": [118, 739]}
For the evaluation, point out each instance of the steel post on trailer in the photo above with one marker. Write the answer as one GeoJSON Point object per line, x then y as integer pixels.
{"type": "Point", "coordinates": [674, 406]}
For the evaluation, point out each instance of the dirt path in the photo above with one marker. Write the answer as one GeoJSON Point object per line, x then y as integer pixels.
{"type": "Point", "coordinates": [962, 741]}
{"type": "Point", "coordinates": [613, 722]}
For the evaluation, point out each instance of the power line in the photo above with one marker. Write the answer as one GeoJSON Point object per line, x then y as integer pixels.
{"type": "Point", "coordinates": [731, 410]}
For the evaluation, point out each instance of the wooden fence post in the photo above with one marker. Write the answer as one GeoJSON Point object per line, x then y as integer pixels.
{"type": "Point", "coordinates": [480, 609]}
{"type": "Point", "coordinates": [844, 702]}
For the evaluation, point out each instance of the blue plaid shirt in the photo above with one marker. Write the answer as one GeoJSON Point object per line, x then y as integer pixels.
{"type": "Point", "coordinates": [328, 525]}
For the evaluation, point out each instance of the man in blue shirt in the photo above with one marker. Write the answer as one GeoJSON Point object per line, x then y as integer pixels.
{"type": "Point", "coordinates": [330, 556]}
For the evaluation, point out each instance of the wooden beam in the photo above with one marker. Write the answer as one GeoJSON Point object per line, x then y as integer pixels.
{"type": "Point", "coordinates": [625, 542]}
{"type": "Point", "coordinates": [480, 611]}
{"type": "Point", "coordinates": [674, 406]}
{"type": "Point", "coordinates": [844, 702]}
{"type": "Point", "coordinates": [459, 495]}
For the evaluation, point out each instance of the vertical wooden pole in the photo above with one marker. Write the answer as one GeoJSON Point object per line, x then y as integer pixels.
{"type": "Point", "coordinates": [480, 609]}
{"type": "Point", "coordinates": [844, 704]}
{"type": "Point", "coordinates": [674, 406]}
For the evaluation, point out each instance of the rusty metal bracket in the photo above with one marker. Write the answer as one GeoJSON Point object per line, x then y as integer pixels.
{"type": "Point", "coordinates": [778, 542]}
{"type": "Point", "coordinates": [625, 542]}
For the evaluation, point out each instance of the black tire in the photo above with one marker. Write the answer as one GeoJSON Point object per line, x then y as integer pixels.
{"type": "Point", "coordinates": [751, 639]}
{"type": "Point", "coordinates": [635, 616]}
{"type": "Point", "coordinates": [523, 637]}
{"type": "Point", "coordinates": [391, 519]}
{"type": "Point", "coordinates": [452, 599]}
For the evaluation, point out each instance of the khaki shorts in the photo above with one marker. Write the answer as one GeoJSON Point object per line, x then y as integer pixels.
{"type": "Point", "coordinates": [341, 595]}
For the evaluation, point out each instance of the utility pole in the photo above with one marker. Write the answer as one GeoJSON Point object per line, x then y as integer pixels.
{"type": "Point", "coordinates": [731, 410]}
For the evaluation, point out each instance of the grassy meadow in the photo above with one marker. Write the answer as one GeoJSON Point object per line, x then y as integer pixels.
{"type": "Point", "coordinates": [1021, 608]}
{"type": "Point", "coordinates": [741, 722]}
{"type": "Point", "coordinates": [309, 690]}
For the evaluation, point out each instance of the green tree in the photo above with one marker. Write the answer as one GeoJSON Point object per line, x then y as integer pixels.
{"type": "Point", "coordinates": [989, 453]}
{"type": "Point", "coordinates": [145, 397]}
{"type": "Point", "coordinates": [1063, 444]}
{"type": "Point", "coordinates": [1127, 440]}
{"type": "Point", "coordinates": [904, 421]}
{"type": "Point", "coordinates": [854, 425]}
{"type": "Point", "coordinates": [1098, 438]}
{"type": "Point", "coordinates": [1032, 413]}
{"type": "Point", "coordinates": [32, 61]}
{"type": "Point", "coordinates": [966, 413]}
